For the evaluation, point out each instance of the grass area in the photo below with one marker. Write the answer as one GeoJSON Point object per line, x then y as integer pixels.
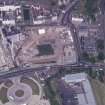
{"type": "Point", "coordinates": [19, 93]}
{"type": "Point", "coordinates": [100, 44]}
{"type": "Point", "coordinates": [101, 56]}
{"type": "Point", "coordinates": [35, 77]}
{"type": "Point", "coordinates": [52, 91]}
{"type": "Point", "coordinates": [93, 58]}
{"type": "Point", "coordinates": [3, 95]}
{"type": "Point", "coordinates": [8, 83]}
{"type": "Point", "coordinates": [32, 84]}
{"type": "Point", "coordinates": [89, 8]}
{"type": "Point", "coordinates": [99, 91]}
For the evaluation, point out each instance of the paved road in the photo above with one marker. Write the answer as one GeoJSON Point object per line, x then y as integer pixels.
{"type": "Point", "coordinates": [28, 71]}
{"type": "Point", "coordinates": [66, 20]}
{"type": "Point", "coordinates": [19, 71]}
{"type": "Point", "coordinates": [76, 40]}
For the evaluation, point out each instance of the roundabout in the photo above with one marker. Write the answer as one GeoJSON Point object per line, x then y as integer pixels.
{"type": "Point", "coordinates": [19, 93]}
{"type": "Point", "coordinates": [22, 90]}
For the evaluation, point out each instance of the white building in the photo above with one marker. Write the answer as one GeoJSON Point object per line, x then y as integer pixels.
{"type": "Point", "coordinates": [9, 11]}
{"type": "Point", "coordinates": [77, 21]}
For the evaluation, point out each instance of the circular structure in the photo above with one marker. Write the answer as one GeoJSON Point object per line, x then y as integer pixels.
{"type": "Point", "coordinates": [19, 93]}
{"type": "Point", "coordinates": [23, 90]}
{"type": "Point", "coordinates": [32, 83]}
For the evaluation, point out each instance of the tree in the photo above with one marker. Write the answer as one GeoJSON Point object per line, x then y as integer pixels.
{"type": "Point", "coordinates": [53, 3]}
{"type": "Point", "coordinates": [100, 44]}
{"type": "Point", "coordinates": [90, 8]}
{"type": "Point", "coordinates": [63, 6]}
{"type": "Point", "coordinates": [101, 78]}
{"type": "Point", "coordinates": [92, 59]}
{"type": "Point", "coordinates": [94, 74]}
{"type": "Point", "coordinates": [101, 72]}
{"type": "Point", "coordinates": [85, 56]}
{"type": "Point", "coordinates": [100, 56]}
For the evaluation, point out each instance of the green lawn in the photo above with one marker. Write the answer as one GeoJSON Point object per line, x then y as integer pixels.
{"type": "Point", "coordinates": [8, 83]}
{"type": "Point", "coordinates": [99, 91]}
{"type": "Point", "coordinates": [32, 84]}
{"type": "Point", "coordinates": [3, 95]}
{"type": "Point", "coordinates": [89, 8]}
{"type": "Point", "coordinates": [100, 44]}
{"type": "Point", "coordinates": [51, 90]}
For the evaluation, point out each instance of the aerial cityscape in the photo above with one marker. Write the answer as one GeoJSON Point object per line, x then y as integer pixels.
{"type": "Point", "coordinates": [52, 52]}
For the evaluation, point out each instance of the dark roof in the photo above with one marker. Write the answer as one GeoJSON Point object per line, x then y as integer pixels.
{"type": "Point", "coordinates": [68, 95]}
{"type": "Point", "coordinates": [12, 32]}
{"type": "Point", "coordinates": [83, 27]}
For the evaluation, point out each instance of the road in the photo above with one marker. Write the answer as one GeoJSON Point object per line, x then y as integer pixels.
{"type": "Point", "coordinates": [66, 20]}
{"type": "Point", "coordinates": [76, 40]}
{"type": "Point", "coordinates": [27, 71]}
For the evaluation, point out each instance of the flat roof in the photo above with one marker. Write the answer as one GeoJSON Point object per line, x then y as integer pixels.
{"type": "Point", "coordinates": [75, 77]}
{"type": "Point", "coordinates": [42, 31]}
{"type": "Point", "coordinates": [8, 7]}
{"type": "Point", "coordinates": [77, 19]}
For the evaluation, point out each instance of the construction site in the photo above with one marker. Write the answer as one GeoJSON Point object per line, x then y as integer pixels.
{"type": "Point", "coordinates": [48, 44]}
